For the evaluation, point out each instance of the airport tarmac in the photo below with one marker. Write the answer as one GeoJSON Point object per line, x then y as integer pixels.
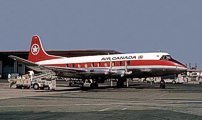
{"type": "Point", "coordinates": [139, 101]}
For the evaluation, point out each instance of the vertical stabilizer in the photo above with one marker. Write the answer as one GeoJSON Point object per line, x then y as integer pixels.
{"type": "Point", "coordinates": [37, 52]}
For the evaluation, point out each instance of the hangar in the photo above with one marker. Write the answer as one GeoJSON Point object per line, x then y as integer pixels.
{"type": "Point", "coordinates": [8, 65]}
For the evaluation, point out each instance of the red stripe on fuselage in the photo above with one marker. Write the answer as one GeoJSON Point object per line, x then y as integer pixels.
{"type": "Point", "coordinates": [117, 63]}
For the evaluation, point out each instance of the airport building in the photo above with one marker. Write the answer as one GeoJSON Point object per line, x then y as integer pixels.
{"type": "Point", "coordinates": [8, 65]}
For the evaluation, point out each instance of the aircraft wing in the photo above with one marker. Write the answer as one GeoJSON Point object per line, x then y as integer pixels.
{"type": "Point", "coordinates": [65, 69]}
{"type": "Point", "coordinates": [24, 61]}
{"type": "Point", "coordinates": [39, 68]}
{"type": "Point", "coordinates": [73, 72]}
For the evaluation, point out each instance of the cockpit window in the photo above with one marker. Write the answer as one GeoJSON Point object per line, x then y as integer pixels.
{"type": "Point", "coordinates": [169, 58]}
{"type": "Point", "coordinates": [166, 57]}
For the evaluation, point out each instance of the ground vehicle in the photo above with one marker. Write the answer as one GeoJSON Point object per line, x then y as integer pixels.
{"type": "Point", "coordinates": [41, 84]}
{"type": "Point", "coordinates": [27, 82]}
{"type": "Point", "coordinates": [168, 80]}
{"type": "Point", "coordinates": [18, 81]}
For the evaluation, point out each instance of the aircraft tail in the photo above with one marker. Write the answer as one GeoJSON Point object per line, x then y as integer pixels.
{"type": "Point", "coordinates": [37, 52]}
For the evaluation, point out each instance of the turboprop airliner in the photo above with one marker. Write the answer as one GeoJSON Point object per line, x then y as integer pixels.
{"type": "Point", "coordinates": [99, 68]}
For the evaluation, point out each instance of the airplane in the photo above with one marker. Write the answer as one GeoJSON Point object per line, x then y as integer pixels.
{"type": "Point", "coordinates": [99, 68]}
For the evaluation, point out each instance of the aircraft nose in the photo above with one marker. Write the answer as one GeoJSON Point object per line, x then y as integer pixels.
{"type": "Point", "coordinates": [181, 68]}
{"type": "Point", "coordinates": [180, 65]}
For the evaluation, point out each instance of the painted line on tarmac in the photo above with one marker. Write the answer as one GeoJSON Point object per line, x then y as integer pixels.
{"type": "Point", "coordinates": [124, 108]}
{"type": "Point", "coordinates": [109, 108]}
{"type": "Point", "coordinates": [105, 109]}
{"type": "Point", "coordinates": [186, 102]}
{"type": "Point", "coordinates": [108, 104]}
{"type": "Point", "coordinates": [33, 106]}
{"type": "Point", "coordinates": [12, 106]}
{"type": "Point", "coordinates": [118, 104]}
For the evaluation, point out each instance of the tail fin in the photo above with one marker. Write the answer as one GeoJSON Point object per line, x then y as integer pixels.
{"type": "Point", "coordinates": [37, 52]}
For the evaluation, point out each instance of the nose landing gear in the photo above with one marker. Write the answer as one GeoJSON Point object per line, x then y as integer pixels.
{"type": "Point", "coordinates": [162, 84]}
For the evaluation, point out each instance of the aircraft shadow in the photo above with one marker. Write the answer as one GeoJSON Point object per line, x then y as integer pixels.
{"type": "Point", "coordinates": [131, 86]}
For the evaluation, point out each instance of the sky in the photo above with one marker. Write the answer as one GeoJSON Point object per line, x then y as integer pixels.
{"type": "Point", "coordinates": [128, 26]}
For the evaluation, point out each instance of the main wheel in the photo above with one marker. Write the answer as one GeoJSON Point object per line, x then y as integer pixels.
{"type": "Point", "coordinates": [120, 84]}
{"type": "Point", "coordinates": [162, 86]}
{"type": "Point", "coordinates": [93, 85]}
{"type": "Point", "coordinates": [36, 86]}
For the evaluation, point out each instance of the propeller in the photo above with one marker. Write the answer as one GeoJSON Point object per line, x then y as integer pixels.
{"type": "Point", "coordinates": [110, 72]}
{"type": "Point", "coordinates": [126, 72]}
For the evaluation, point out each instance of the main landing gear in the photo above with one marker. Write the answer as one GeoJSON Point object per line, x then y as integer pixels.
{"type": "Point", "coordinates": [90, 83]}
{"type": "Point", "coordinates": [93, 85]}
{"type": "Point", "coordinates": [162, 84]}
{"type": "Point", "coordinates": [120, 83]}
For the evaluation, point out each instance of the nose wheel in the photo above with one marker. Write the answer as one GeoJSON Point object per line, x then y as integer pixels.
{"type": "Point", "coordinates": [162, 84]}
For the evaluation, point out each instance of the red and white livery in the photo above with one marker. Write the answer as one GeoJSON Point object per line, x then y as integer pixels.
{"type": "Point", "coordinates": [101, 67]}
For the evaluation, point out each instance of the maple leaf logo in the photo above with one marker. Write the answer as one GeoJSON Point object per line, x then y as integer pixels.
{"type": "Point", "coordinates": [35, 49]}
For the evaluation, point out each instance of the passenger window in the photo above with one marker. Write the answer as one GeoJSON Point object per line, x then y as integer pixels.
{"type": "Point", "coordinates": [79, 65]}
{"type": "Point", "coordinates": [73, 65]}
{"type": "Point", "coordinates": [86, 65]}
{"type": "Point", "coordinates": [128, 62]}
{"type": "Point", "coordinates": [92, 64]}
{"type": "Point", "coordinates": [113, 64]}
{"type": "Point", "coordinates": [67, 65]}
{"type": "Point", "coordinates": [98, 64]}
{"type": "Point", "coordinates": [106, 64]}
{"type": "Point", "coordinates": [120, 63]}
